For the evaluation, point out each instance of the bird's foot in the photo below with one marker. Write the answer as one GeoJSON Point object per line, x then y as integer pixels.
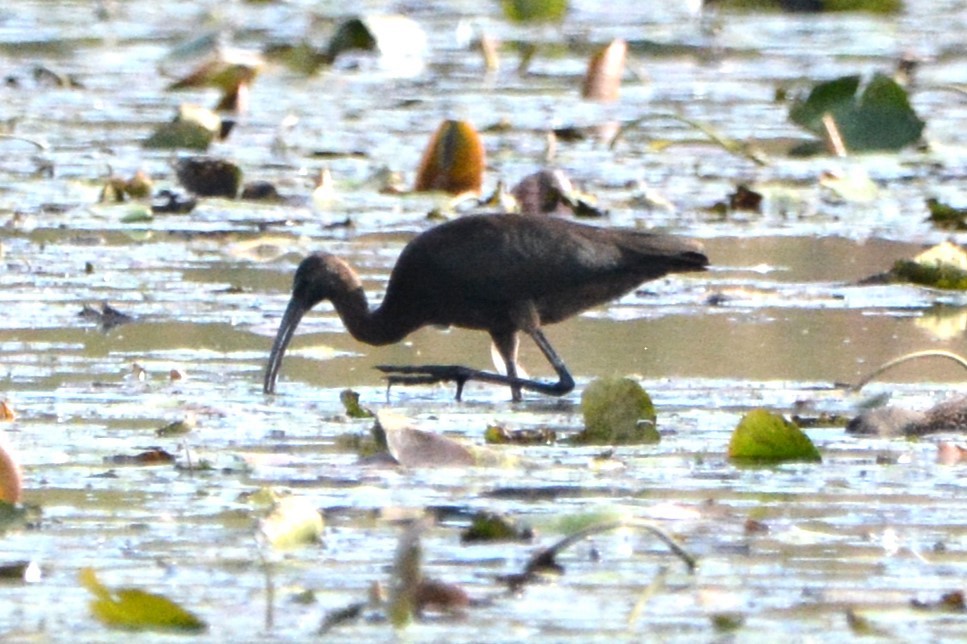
{"type": "Point", "coordinates": [427, 374]}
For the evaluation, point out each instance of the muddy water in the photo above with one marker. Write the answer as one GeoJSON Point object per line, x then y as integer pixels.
{"type": "Point", "coordinates": [876, 525]}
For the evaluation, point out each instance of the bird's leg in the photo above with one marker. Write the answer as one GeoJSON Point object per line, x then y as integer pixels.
{"type": "Point", "coordinates": [425, 374]}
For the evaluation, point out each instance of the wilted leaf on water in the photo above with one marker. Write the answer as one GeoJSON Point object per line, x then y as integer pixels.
{"type": "Point", "coordinates": [951, 453]}
{"type": "Point", "coordinates": [813, 6]}
{"type": "Point", "coordinates": [107, 317]}
{"type": "Point", "coordinates": [547, 191]}
{"type": "Point", "coordinates": [397, 38]}
{"type": "Point", "coordinates": [488, 527]}
{"type": "Point", "coordinates": [874, 116]}
{"type": "Point", "coordinates": [946, 216]}
{"type": "Point", "coordinates": [602, 80]}
{"type": "Point", "coordinates": [10, 476]}
{"type": "Point", "coordinates": [852, 186]}
{"type": "Point", "coordinates": [952, 601]}
{"type": "Point", "coordinates": [6, 412]}
{"type": "Point", "coordinates": [222, 72]}
{"type": "Point", "coordinates": [497, 435]}
{"type": "Point", "coordinates": [293, 521]}
{"type": "Point", "coordinates": [23, 571]}
{"type": "Point", "coordinates": [617, 411]}
{"type": "Point", "coordinates": [168, 202]}
{"type": "Point", "coordinates": [178, 427]}
{"type": "Point", "coordinates": [193, 128]}
{"type": "Point", "coordinates": [155, 456]}
{"type": "Point", "coordinates": [745, 198]}
{"type": "Point", "coordinates": [413, 447]}
{"type": "Point", "coordinates": [209, 177]}
{"type": "Point", "coordinates": [350, 401]}
{"type": "Point", "coordinates": [118, 190]}
{"type": "Point", "coordinates": [764, 436]}
{"type": "Point", "coordinates": [410, 591]}
{"type": "Point", "coordinates": [454, 160]}
{"type": "Point", "coordinates": [942, 266]}
{"type": "Point", "coordinates": [535, 10]}
{"type": "Point", "coordinates": [136, 609]}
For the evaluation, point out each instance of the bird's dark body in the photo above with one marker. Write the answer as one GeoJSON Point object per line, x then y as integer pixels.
{"type": "Point", "coordinates": [498, 273]}
{"type": "Point", "coordinates": [475, 272]}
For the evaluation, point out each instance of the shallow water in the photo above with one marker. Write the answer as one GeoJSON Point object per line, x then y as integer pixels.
{"type": "Point", "coordinates": [879, 523]}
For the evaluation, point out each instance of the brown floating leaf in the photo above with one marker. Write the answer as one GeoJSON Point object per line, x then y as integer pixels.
{"type": "Point", "coordinates": [454, 160]}
{"type": "Point", "coordinates": [154, 456]}
{"type": "Point", "coordinates": [6, 412]}
{"type": "Point", "coordinates": [412, 447]}
{"type": "Point", "coordinates": [602, 81]}
{"type": "Point", "coordinates": [209, 177]}
{"type": "Point", "coordinates": [10, 477]}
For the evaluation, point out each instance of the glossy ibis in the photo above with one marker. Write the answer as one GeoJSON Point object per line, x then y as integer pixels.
{"type": "Point", "coordinates": [497, 273]}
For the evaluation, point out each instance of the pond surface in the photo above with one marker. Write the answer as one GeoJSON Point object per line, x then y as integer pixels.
{"type": "Point", "coordinates": [877, 525]}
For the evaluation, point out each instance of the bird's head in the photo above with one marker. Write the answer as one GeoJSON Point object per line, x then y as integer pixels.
{"type": "Point", "coordinates": [320, 276]}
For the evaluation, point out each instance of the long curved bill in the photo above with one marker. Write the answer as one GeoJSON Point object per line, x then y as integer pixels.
{"type": "Point", "coordinates": [290, 320]}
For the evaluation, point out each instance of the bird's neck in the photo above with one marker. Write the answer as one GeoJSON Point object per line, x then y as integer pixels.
{"type": "Point", "coordinates": [377, 326]}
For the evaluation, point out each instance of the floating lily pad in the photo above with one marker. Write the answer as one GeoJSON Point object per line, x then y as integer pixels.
{"type": "Point", "coordinates": [873, 116]}
{"type": "Point", "coordinates": [617, 411]}
{"type": "Point", "coordinates": [764, 436]}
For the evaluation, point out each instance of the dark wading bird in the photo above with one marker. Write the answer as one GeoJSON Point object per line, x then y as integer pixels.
{"type": "Point", "coordinates": [497, 273]}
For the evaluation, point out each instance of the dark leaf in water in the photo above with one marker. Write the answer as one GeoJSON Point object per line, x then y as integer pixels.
{"type": "Point", "coordinates": [487, 527]}
{"type": "Point", "coordinates": [25, 571]}
{"type": "Point", "coordinates": [167, 202]}
{"type": "Point", "coordinates": [392, 35]}
{"type": "Point", "coordinates": [193, 128]}
{"type": "Point", "coordinates": [209, 177]}
{"type": "Point", "coordinates": [943, 266]}
{"type": "Point", "coordinates": [946, 216]}
{"type": "Point", "coordinates": [432, 594]}
{"type": "Point", "coordinates": [874, 116]}
{"type": "Point", "coordinates": [952, 601]}
{"type": "Point", "coordinates": [155, 456]}
{"type": "Point", "coordinates": [744, 198]}
{"type": "Point", "coordinates": [260, 191]}
{"type": "Point", "coordinates": [108, 317]}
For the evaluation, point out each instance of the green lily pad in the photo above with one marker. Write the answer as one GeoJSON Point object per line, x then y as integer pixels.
{"type": "Point", "coordinates": [874, 116]}
{"type": "Point", "coordinates": [764, 436]}
{"type": "Point", "coordinates": [617, 411]}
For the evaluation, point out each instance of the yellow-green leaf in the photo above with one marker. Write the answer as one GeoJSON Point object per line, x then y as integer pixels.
{"type": "Point", "coordinates": [617, 411]}
{"type": "Point", "coordinates": [764, 436]}
{"type": "Point", "coordinates": [136, 609]}
{"type": "Point", "coordinates": [293, 521]}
